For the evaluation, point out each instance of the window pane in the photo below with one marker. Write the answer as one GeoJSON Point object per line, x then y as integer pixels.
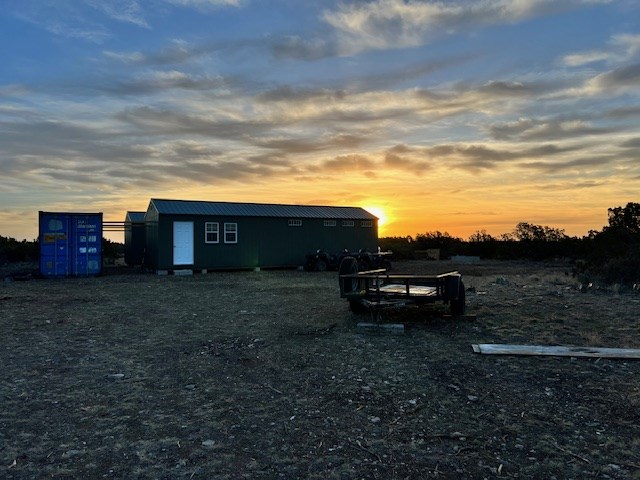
{"type": "Point", "coordinates": [211, 232]}
{"type": "Point", "coordinates": [230, 233]}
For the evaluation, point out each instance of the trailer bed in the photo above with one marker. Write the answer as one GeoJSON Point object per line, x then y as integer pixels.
{"type": "Point", "coordinates": [408, 290]}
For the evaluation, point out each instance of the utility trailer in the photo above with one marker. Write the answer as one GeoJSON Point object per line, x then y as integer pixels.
{"type": "Point", "coordinates": [375, 290]}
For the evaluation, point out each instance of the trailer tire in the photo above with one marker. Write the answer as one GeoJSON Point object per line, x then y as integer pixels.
{"type": "Point", "coordinates": [321, 265]}
{"type": "Point", "coordinates": [348, 266]}
{"type": "Point", "coordinates": [458, 305]}
{"type": "Point", "coordinates": [357, 307]}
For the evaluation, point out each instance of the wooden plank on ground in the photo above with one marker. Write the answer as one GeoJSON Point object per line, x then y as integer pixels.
{"type": "Point", "coordinates": [561, 351]}
{"type": "Point", "coordinates": [391, 328]}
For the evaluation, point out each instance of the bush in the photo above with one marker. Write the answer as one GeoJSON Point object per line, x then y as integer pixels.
{"type": "Point", "coordinates": [403, 248]}
{"type": "Point", "coordinates": [621, 270]}
{"type": "Point", "coordinates": [12, 250]}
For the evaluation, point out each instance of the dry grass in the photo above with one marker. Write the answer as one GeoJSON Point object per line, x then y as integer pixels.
{"type": "Point", "coordinates": [264, 375]}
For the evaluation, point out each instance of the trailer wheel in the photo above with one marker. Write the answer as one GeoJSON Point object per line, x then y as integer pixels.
{"type": "Point", "coordinates": [356, 307]}
{"type": "Point", "coordinates": [458, 306]}
{"type": "Point", "coordinates": [321, 265]}
{"type": "Point", "coordinates": [348, 266]}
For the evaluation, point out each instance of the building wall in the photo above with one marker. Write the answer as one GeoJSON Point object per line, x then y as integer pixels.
{"type": "Point", "coordinates": [152, 239]}
{"type": "Point", "coordinates": [262, 241]}
{"type": "Point", "coordinates": [134, 242]}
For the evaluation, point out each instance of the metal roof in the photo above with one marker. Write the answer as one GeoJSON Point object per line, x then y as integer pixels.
{"type": "Point", "coordinates": [135, 216]}
{"type": "Point", "coordinates": [228, 209]}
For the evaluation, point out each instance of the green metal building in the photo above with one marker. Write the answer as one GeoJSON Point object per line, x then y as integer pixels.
{"type": "Point", "coordinates": [198, 235]}
{"type": "Point", "coordinates": [134, 238]}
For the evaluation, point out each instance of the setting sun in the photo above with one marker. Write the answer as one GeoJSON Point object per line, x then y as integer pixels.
{"type": "Point", "coordinates": [378, 212]}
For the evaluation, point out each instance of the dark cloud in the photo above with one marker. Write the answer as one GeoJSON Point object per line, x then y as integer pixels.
{"type": "Point", "coordinates": [545, 131]}
{"type": "Point", "coordinates": [182, 52]}
{"type": "Point", "coordinates": [346, 163]}
{"type": "Point", "coordinates": [398, 162]}
{"type": "Point", "coordinates": [508, 88]}
{"type": "Point", "coordinates": [503, 131]}
{"type": "Point", "coordinates": [565, 165]}
{"type": "Point", "coordinates": [477, 157]}
{"type": "Point", "coordinates": [466, 157]}
{"type": "Point", "coordinates": [627, 76]}
{"type": "Point", "coordinates": [206, 172]}
{"type": "Point", "coordinates": [361, 116]}
{"type": "Point", "coordinates": [41, 137]}
{"type": "Point", "coordinates": [395, 74]}
{"type": "Point", "coordinates": [166, 81]}
{"type": "Point", "coordinates": [271, 159]}
{"type": "Point", "coordinates": [632, 143]}
{"type": "Point", "coordinates": [286, 93]}
{"type": "Point", "coordinates": [298, 48]}
{"type": "Point", "coordinates": [152, 121]}
{"type": "Point", "coordinates": [392, 75]}
{"type": "Point", "coordinates": [623, 113]}
{"type": "Point", "coordinates": [498, 89]}
{"type": "Point", "coordinates": [194, 150]}
{"type": "Point", "coordinates": [401, 148]}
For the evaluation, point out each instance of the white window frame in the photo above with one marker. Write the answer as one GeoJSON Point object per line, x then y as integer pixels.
{"type": "Point", "coordinates": [330, 223]}
{"type": "Point", "coordinates": [348, 223]}
{"type": "Point", "coordinates": [295, 222]}
{"type": "Point", "coordinates": [230, 229]}
{"type": "Point", "coordinates": [366, 223]}
{"type": "Point", "coordinates": [207, 232]}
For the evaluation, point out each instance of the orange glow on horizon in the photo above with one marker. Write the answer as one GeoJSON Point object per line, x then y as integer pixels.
{"type": "Point", "coordinates": [383, 218]}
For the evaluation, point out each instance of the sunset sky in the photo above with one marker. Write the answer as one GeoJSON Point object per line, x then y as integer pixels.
{"type": "Point", "coordinates": [454, 116]}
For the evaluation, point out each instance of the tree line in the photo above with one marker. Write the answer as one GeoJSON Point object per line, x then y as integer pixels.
{"type": "Point", "coordinates": [14, 251]}
{"type": "Point", "coordinates": [612, 254]}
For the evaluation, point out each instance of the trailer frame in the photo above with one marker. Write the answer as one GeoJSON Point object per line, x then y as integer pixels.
{"type": "Point", "coordinates": [375, 290]}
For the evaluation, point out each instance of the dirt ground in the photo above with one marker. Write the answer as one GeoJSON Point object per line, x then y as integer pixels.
{"type": "Point", "coordinates": [265, 375]}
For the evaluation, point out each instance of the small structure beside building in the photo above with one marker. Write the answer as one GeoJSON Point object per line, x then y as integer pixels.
{"type": "Point", "coordinates": [70, 244]}
{"type": "Point", "coordinates": [198, 235]}
{"type": "Point", "coordinates": [134, 238]}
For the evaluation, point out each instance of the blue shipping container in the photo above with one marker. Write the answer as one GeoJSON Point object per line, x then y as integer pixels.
{"type": "Point", "coordinates": [70, 244]}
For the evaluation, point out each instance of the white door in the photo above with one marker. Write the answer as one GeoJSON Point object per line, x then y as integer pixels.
{"type": "Point", "coordinates": [183, 243]}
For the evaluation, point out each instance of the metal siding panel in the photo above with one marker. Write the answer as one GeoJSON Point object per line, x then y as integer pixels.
{"type": "Point", "coordinates": [165, 241]}
{"type": "Point", "coordinates": [151, 237]}
{"type": "Point", "coordinates": [134, 243]}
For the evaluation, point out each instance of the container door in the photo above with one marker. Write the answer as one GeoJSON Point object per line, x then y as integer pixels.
{"type": "Point", "coordinates": [54, 245]}
{"type": "Point", "coordinates": [183, 243]}
{"type": "Point", "coordinates": [87, 247]}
